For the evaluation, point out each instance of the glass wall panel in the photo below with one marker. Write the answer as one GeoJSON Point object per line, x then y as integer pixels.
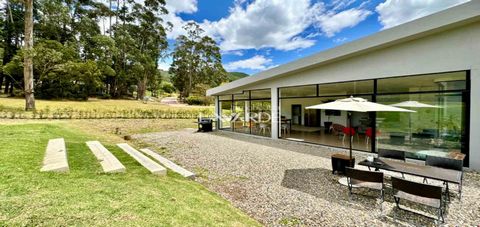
{"type": "Point", "coordinates": [260, 94]}
{"type": "Point", "coordinates": [240, 119]}
{"type": "Point", "coordinates": [323, 126]}
{"type": "Point", "coordinates": [300, 91]}
{"type": "Point", "coordinates": [436, 128]}
{"type": "Point", "coordinates": [347, 88]}
{"type": "Point", "coordinates": [241, 96]}
{"type": "Point", "coordinates": [261, 121]}
{"type": "Point", "coordinates": [225, 97]}
{"type": "Point", "coordinates": [225, 114]}
{"type": "Point", "coordinates": [433, 82]}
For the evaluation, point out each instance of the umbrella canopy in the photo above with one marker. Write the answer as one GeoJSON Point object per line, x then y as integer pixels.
{"type": "Point", "coordinates": [414, 104]}
{"type": "Point", "coordinates": [357, 105]}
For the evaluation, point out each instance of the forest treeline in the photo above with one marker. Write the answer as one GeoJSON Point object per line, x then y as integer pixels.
{"type": "Point", "coordinates": [108, 49]}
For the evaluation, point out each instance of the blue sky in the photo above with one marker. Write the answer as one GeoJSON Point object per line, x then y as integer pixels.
{"type": "Point", "coordinates": [255, 35]}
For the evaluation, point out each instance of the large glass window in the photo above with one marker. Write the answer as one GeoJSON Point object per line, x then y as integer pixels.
{"type": "Point", "coordinates": [324, 126]}
{"type": "Point", "coordinates": [436, 128]}
{"type": "Point", "coordinates": [300, 91]}
{"type": "Point", "coordinates": [261, 121]}
{"type": "Point", "coordinates": [347, 88]}
{"type": "Point", "coordinates": [248, 112]}
{"type": "Point", "coordinates": [424, 83]}
{"type": "Point", "coordinates": [226, 114]}
{"type": "Point", "coordinates": [260, 94]}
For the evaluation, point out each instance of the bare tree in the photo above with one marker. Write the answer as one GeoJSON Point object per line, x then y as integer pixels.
{"type": "Point", "coordinates": [28, 63]}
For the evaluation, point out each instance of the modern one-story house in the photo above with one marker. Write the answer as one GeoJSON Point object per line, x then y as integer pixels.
{"type": "Point", "coordinates": [432, 63]}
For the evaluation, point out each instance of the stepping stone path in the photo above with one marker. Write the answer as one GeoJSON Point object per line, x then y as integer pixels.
{"type": "Point", "coordinates": [169, 164]}
{"type": "Point", "coordinates": [109, 162]}
{"type": "Point", "coordinates": [146, 162]}
{"type": "Point", "coordinates": [55, 159]}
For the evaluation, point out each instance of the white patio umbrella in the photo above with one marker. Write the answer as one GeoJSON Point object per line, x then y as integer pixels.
{"type": "Point", "coordinates": [356, 105]}
{"type": "Point", "coordinates": [413, 104]}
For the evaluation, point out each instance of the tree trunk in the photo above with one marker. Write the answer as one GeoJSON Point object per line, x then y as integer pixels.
{"type": "Point", "coordinates": [1, 79]}
{"type": "Point", "coordinates": [28, 63]}
{"type": "Point", "coordinates": [142, 87]}
{"type": "Point", "coordinates": [7, 82]}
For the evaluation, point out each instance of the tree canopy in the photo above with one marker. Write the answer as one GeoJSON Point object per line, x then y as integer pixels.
{"type": "Point", "coordinates": [109, 49]}
{"type": "Point", "coordinates": [196, 61]}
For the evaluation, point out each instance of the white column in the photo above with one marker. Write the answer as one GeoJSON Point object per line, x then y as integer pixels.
{"type": "Point", "coordinates": [274, 114]}
{"type": "Point", "coordinates": [475, 119]}
{"type": "Point", "coordinates": [218, 118]}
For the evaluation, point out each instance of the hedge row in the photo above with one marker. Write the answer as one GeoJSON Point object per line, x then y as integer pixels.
{"type": "Point", "coordinates": [103, 114]}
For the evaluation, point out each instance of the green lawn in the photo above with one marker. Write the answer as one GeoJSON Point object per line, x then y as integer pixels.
{"type": "Point", "coordinates": [85, 196]}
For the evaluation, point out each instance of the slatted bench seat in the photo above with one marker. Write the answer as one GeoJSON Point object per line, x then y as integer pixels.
{"type": "Point", "coordinates": [169, 164]}
{"type": "Point", "coordinates": [424, 194]}
{"type": "Point", "coordinates": [55, 159]}
{"type": "Point", "coordinates": [146, 162]}
{"type": "Point", "coordinates": [109, 162]}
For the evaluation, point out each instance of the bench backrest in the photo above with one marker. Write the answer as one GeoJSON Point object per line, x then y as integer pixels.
{"type": "Point", "coordinates": [364, 175]}
{"type": "Point", "coordinates": [418, 189]}
{"type": "Point", "coordinates": [393, 154]}
{"type": "Point", "coordinates": [446, 163]}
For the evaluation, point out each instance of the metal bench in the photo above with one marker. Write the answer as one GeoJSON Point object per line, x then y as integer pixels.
{"type": "Point", "coordinates": [424, 194]}
{"type": "Point", "coordinates": [365, 179]}
{"type": "Point", "coordinates": [447, 163]}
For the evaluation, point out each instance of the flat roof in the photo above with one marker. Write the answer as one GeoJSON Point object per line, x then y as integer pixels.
{"type": "Point", "coordinates": [447, 19]}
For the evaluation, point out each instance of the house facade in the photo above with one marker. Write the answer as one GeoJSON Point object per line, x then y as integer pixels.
{"type": "Point", "coordinates": [433, 63]}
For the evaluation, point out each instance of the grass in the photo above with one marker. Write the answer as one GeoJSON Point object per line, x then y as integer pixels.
{"type": "Point", "coordinates": [99, 108]}
{"type": "Point", "coordinates": [99, 104]}
{"type": "Point", "coordinates": [85, 196]}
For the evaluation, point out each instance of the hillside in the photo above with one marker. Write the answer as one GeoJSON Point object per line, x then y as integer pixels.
{"type": "Point", "coordinates": [236, 75]}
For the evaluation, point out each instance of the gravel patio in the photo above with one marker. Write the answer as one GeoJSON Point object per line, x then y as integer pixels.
{"type": "Point", "coordinates": [283, 183]}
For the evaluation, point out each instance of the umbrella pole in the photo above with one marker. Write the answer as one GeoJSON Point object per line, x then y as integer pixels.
{"type": "Point", "coordinates": [349, 114]}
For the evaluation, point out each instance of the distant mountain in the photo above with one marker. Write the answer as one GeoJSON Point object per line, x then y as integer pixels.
{"type": "Point", "coordinates": [236, 75]}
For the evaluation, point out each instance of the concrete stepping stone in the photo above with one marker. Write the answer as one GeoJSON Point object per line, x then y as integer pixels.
{"type": "Point", "coordinates": [109, 162]}
{"type": "Point", "coordinates": [169, 164]}
{"type": "Point", "coordinates": [55, 159]}
{"type": "Point", "coordinates": [146, 162]}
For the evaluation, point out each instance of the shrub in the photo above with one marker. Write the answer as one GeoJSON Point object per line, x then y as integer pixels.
{"type": "Point", "coordinates": [199, 101]}
{"type": "Point", "coordinates": [167, 87]}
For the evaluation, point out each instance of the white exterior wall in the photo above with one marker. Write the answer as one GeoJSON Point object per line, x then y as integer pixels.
{"type": "Point", "coordinates": [274, 114]}
{"type": "Point", "coordinates": [475, 119]}
{"type": "Point", "coordinates": [451, 50]}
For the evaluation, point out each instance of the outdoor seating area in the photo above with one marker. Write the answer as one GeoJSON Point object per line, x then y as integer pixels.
{"type": "Point", "coordinates": [418, 192]}
{"type": "Point", "coordinates": [260, 184]}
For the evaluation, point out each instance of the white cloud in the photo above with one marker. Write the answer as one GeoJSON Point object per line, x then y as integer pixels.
{"type": "Point", "coordinates": [331, 23]}
{"type": "Point", "coordinates": [395, 12]}
{"type": "Point", "coordinates": [175, 7]}
{"type": "Point", "coordinates": [340, 40]}
{"type": "Point", "coordinates": [164, 66]}
{"type": "Point", "coordinates": [281, 24]}
{"type": "Point", "coordinates": [233, 52]}
{"type": "Point", "coordinates": [262, 24]}
{"type": "Point", "coordinates": [257, 62]}
{"type": "Point", "coordinates": [182, 6]}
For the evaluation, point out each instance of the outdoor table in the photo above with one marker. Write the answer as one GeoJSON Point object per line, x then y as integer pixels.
{"type": "Point", "coordinates": [436, 173]}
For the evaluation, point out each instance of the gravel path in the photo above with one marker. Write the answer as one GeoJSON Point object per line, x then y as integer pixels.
{"type": "Point", "coordinates": [283, 183]}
